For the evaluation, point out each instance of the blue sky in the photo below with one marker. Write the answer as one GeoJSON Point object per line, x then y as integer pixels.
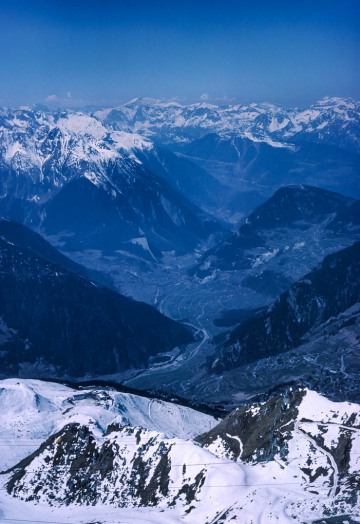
{"type": "Point", "coordinates": [74, 52]}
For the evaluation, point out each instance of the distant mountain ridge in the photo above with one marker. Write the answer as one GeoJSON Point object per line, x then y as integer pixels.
{"type": "Point", "coordinates": [153, 170]}
{"type": "Point", "coordinates": [265, 122]}
{"type": "Point", "coordinates": [252, 150]}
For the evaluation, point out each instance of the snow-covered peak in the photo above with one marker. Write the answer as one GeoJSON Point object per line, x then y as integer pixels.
{"type": "Point", "coordinates": [332, 106]}
{"type": "Point", "coordinates": [202, 105]}
{"type": "Point", "coordinates": [337, 102]}
{"type": "Point", "coordinates": [42, 144]}
{"type": "Point", "coordinates": [147, 101]}
{"type": "Point", "coordinates": [79, 124]}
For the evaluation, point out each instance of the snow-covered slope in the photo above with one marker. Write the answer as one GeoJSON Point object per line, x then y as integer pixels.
{"type": "Point", "coordinates": [331, 120]}
{"type": "Point", "coordinates": [32, 410]}
{"type": "Point", "coordinates": [292, 458]}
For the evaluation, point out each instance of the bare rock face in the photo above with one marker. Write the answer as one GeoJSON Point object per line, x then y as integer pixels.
{"type": "Point", "coordinates": [257, 432]}
{"type": "Point", "coordinates": [268, 430]}
{"type": "Point", "coordinates": [128, 467]}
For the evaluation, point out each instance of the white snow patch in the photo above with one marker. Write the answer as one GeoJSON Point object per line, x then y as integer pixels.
{"type": "Point", "coordinates": [275, 125]}
{"type": "Point", "coordinates": [31, 410]}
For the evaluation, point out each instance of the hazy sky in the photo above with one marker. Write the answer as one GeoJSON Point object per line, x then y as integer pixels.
{"type": "Point", "coordinates": [69, 52]}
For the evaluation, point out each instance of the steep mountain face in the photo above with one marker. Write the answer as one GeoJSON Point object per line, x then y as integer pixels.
{"type": "Point", "coordinates": [146, 215]}
{"type": "Point", "coordinates": [283, 237]}
{"type": "Point", "coordinates": [292, 457]}
{"type": "Point", "coordinates": [329, 289]}
{"type": "Point", "coordinates": [256, 432]}
{"type": "Point", "coordinates": [185, 176]}
{"type": "Point", "coordinates": [27, 240]}
{"type": "Point", "coordinates": [108, 472]}
{"type": "Point", "coordinates": [325, 361]}
{"type": "Point", "coordinates": [41, 151]}
{"type": "Point", "coordinates": [58, 323]}
{"type": "Point", "coordinates": [73, 177]}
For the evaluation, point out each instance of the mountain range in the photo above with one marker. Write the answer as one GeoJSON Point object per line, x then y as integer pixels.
{"type": "Point", "coordinates": [252, 150]}
{"type": "Point", "coordinates": [143, 176]}
{"type": "Point", "coordinates": [69, 175]}
{"type": "Point", "coordinates": [192, 272]}
{"type": "Point", "coordinates": [172, 122]}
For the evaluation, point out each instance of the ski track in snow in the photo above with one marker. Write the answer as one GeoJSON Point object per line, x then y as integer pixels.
{"type": "Point", "coordinates": [335, 475]}
{"type": "Point", "coordinates": [237, 440]}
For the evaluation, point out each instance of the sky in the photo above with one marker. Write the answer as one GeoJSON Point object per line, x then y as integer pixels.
{"type": "Point", "coordinates": [105, 52]}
